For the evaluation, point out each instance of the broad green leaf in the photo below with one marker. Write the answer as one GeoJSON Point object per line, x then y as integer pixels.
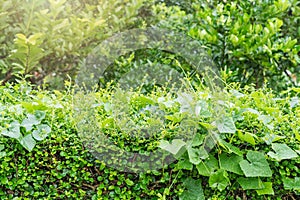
{"type": "Point", "coordinates": [270, 137]}
{"type": "Point", "coordinates": [185, 164]}
{"type": "Point", "coordinates": [186, 101]}
{"type": "Point", "coordinates": [282, 151]}
{"type": "Point", "coordinates": [219, 180]}
{"type": "Point", "coordinates": [206, 125]}
{"type": "Point", "coordinates": [198, 140]}
{"type": "Point", "coordinates": [42, 132]}
{"type": "Point", "coordinates": [29, 122]}
{"type": "Point", "coordinates": [28, 142]}
{"type": "Point", "coordinates": [256, 165]}
{"type": "Point", "coordinates": [266, 190]}
{"type": "Point", "coordinates": [250, 183]}
{"type": "Point", "coordinates": [291, 183]}
{"type": "Point", "coordinates": [193, 190]}
{"type": "Point", "coordinates": [208, 166]}
{"type": "Point", "coordinates": [201, 109]}
{"type": "Point", "coordinates": [229, 147]}
{"type": "Point", "coordinates": [13, 131]}
{"type": "Point", "coordinates": [40, 115]}
{"type": "Point", "coordinates": [230, 162]}
{"type": "Point", "coordinates": [2, 154]}
{"type": "Point", "coordinates": [226, 125]}
{"type": "Point", "coordinates": [172, 147]}
{"type": "Point", "coordinates": [196, 154]}
{"type": "Point", "coordinates": [247, 137]}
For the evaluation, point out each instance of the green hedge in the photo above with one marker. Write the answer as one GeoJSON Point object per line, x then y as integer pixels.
{"type": "Point", "coordinates": [256, 156]}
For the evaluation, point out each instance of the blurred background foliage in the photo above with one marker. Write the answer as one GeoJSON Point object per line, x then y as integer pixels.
{"type": "Point", "coordinates": [252, 42]}
{"type": "Point", "coordinates": [47, 39]}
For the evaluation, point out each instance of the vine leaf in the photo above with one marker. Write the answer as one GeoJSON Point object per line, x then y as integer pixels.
{"type": "Point", "coordinates": [28, 142]}
{"type": "Point", "coordinates": [42, 132]}
{"type": "Point", "coordinates": [231, 163]}
{"type": "Point", "coordinates": [291, 184]}
{"type": "Point", "coordinates": [208, 167]}
{"type": "Point", "coordinates": [29, 122]}
{"type": "Point", "coordinates": [256, 166]}
{"type": "Point", "coordinates": [13, 131]}
{"type": "Point", "coordinates": [266, 190]}
{"type": "Point", "coordinates": [282, 151]}
{"type": "Point", "coordinates": [196, 154]}
{"type": "Point", "coordinates": [193, 190]}
{"type": "Point", "coordinates": [219, 180]}
{"type": "Point", "coordinates": [226, 125]}
{"type": "Point", "coordinates": [229, 147]}
{"type": "Point", "coordinates": [250, 183]}
{"type": "Point", "coordinates": [172, 147]}
{"type": "Point", "coordinates": [247, 137]}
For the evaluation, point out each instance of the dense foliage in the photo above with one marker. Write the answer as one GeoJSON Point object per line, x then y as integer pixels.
{"type": "Point", "coordinates": [257, 147]}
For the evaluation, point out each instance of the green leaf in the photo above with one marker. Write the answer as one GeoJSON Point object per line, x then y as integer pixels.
{"type": "Point", "coordinates": [185, 164]}
{"type": "Point", "coordinates": [229, 147]}
{"type": "Point", "coordinates": [291, 184]}
{"type": "Point", "coordinates": [230, 162]}
{"type": "Point", "coordinates": [40, 115]}
{"type": "Point", "coordinates": [202, 109]}
{"type": "Point", "coordinates": [250, 183]}
{"type": "Point", "coordinates": [247, 137]}
{"type": "Point", "coordinates": [129, 182]}
{"type": "Point", "coordinates": [177, 117]}
{"type": "Point", "coordinates": [282, 151]}
{"type": "Point", "coordinates": [226, 125]}
{"type": "Point", "coordinates": [234, 39]}
{"type": "Point", "coordinates": [28, 142]}
{"type": "Point", "coordinates": [2, 154]}
{"type": "Point", "coordinates": [208, 166]}
{"type": "Point", "coordinates": [29, 122]}
{"type": "Point", "coordinates": [13, 131]}
{"type": "Point", "coordinates": [172, 147]}
{"type": "Point", "coordinates": [193, 190]}
{"type": "Point", "coordinates": [198, 140]}
{"type": "Point", "coordinates": [196, 154]}
{"type": "Point", "coordinates": [266, 190]}
{"type": "Point", "coordinates": [256, 166]}
{"type": "Point", "coordinates": [42, 132]}
{"type": "Point", "coordinates": [33, 106]}
{"type": "Point", "coordinates": [270, 137]}
{"type": "Point", "coordinates": [219, 180]}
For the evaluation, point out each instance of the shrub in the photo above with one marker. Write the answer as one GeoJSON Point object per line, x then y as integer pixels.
{"type": "Point", "coordinates": [49, 39]}
{"type": "Point", "coordinates": [253, 41]}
